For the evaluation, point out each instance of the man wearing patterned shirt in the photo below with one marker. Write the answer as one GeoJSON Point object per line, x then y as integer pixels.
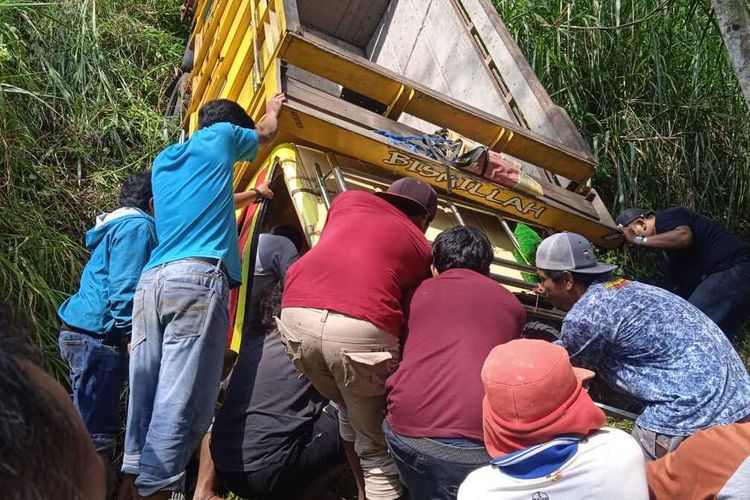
{"type": "Point", "coordinates": [645, 342]}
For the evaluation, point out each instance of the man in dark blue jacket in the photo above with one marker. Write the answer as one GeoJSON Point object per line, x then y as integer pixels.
{"type": "Point", "coordinates": [97, 319]}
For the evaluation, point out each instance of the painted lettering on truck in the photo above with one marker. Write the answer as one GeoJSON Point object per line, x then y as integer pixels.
{"type": "Point", "coordinates": [459, 182]}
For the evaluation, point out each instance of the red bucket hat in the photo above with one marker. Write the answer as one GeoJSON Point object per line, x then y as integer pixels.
{"type": "Point", "coordinates": [532, 395]}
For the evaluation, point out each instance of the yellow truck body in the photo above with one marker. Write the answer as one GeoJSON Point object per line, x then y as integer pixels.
{"type": "Point", "coordinates": [409, 67]}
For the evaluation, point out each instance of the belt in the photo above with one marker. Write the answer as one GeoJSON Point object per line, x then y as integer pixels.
{"type": "Point", "coordinates": [473, 456]}
{"type": "Point", "coordinates": [217, 263]}
{"type": "Point", "coordinates": [113, 338]}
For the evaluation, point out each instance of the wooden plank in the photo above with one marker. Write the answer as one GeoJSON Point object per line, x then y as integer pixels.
{"type": "Point", "coordinates": [197, 44]}
{"type": "Point", "coordinates": [240, 69]}
{"type": "Point", "coordinates": [229, 50]}
{"type": "Point", "coordinates": [352, 113]}
{"type": "Point", "coordinates": [214, 76]}
{"type": "Point", "coordinates": [193, 122]}
{"type": "Point", "coordinates": [209, 30]}
{"type": "Point", "coordinates": [334, 134]}
{"type": "Point", "coordinates": [535, 104]}
{"type": "Point", "coordinates": [210, 56]}
{"type": "Point", "coordinates": [358, 74]}
{"type": "Point", "coordinates": [200, 15]}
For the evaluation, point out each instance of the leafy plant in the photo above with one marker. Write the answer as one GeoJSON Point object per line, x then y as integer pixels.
{"type": "Point", "coordinates": [81, 85]}
{"type": "Point", "coordinates": [649, 84]}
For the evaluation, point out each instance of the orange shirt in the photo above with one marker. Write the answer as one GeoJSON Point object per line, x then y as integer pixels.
{"type": "Point", "coordinates": [713, 463]}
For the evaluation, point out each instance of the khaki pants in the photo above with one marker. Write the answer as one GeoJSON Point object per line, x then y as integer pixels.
{"type": "Point", "coordinates": [348, 361]}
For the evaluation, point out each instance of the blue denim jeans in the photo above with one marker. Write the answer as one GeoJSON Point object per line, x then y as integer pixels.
{"type": "Point", "coordinates": [433, 469]}
{"type": "Point", "coordinates": [180, 322]}
{"type": "Point", "coordinates": [97, 374]}
{"type": "Point", "coordinates": [725, 298]}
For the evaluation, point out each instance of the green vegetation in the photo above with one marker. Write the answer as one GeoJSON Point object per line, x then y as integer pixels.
{"type": "Point", "coordinates": [650, 85]}
{"type": "Point", "coordinates": [81, 85]}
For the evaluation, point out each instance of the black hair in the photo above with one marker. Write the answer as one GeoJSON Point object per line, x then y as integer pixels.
{"type": "Point", "coordinates": [291, 233]}
{"type": "Point", "coordinates": [224, 110]}
{"type": "Point", "coordinates": [584, 279]}
{"type": "Point", "coordinates": [270, 306]}
{"type": "Point", "coordinates": [462, 247]}
{"type": "Point", "coordinates": [136, 191]}
{"type": "Point", "coordinates": [39, 444]}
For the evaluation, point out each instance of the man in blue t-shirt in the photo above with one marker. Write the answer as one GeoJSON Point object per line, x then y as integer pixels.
{"type": "Point", "coordinates": [708, 265]}
{"type": "Point", "coordinates": [646, 342]}
{"type": "Point", "coordinates": [181, 306]}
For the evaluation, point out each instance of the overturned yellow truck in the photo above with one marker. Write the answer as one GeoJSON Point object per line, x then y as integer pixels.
{"type": "Point", "coordinates": [352, 70]}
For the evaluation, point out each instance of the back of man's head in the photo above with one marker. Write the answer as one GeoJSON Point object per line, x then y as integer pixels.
{"type": "Point", "coordinates": [136, 191]}
{"type": "Point", "coordinates": [45, 453]}
{"type": "Point", "coordinates": [224, 110]}
{"type": "Point", "coordinates": [462, 248]}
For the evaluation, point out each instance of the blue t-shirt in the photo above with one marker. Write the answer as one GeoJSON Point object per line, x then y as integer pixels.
{"type": "Point", "coordinates": [193, 197]}
{"type": "Point", "coordinates": [660, 349]}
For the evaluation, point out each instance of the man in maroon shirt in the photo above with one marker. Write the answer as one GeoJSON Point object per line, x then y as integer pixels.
{"type": "Point", "coordinates": [434, 423]}
{"type": "Point", "coordinates": [341, 313]}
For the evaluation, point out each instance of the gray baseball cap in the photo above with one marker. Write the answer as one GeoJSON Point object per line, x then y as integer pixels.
{"type": "Point", "coordinates": [569, 252]}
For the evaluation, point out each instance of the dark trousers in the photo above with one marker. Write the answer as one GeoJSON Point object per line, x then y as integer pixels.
{"type": "Point", "coordinates": [97, 375]}
{"type": "Point", "coordinates": [433, 469]}
{"type": "Point", "coordinates": [725, 298]}
{"type": "Point", "coordinates": [314, 454]}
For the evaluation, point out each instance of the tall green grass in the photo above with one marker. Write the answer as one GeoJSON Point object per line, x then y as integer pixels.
{"type": "Point", "coordinates": [81, 85]}
{"type": "Point", "coordinates": [649, 84]}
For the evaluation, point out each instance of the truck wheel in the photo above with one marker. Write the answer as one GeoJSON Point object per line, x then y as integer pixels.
{"type": "Point", "coordinates": [541, 330]}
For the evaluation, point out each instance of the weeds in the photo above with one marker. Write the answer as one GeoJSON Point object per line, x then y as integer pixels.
{"type": "Point", "coordinates": [649, 84]}
{"type": "Point", "coordinates": [81, 83]}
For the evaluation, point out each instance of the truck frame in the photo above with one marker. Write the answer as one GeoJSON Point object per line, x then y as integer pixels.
{"type": "Point", "coordinates": [409, 67]}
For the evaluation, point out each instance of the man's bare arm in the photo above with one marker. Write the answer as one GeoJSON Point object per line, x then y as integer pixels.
{"type": "Point", "coordinates": [253, 195]}
{"type": "Point", "coordinates": [267, 127]}
{"type": "Point", "coordinates": [678, 238]}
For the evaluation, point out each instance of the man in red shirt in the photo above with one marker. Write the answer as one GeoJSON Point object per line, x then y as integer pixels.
{"type": "Point", "coordinates": [341, 313]}
{"type": "Point", "coordinates": [434, 423]}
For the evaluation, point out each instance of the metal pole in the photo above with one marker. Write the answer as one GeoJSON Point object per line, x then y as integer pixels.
{"type": "Point", "coordinates": [339, 179]}
{"type": "Point", "coordinates": [457, 213]}
{"type": "Point", "coordinates": [616, 412]}
{"type": "Point", "coordinates": [512, 237]}
{"type": "Point", "coordinates": [322, 186]}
